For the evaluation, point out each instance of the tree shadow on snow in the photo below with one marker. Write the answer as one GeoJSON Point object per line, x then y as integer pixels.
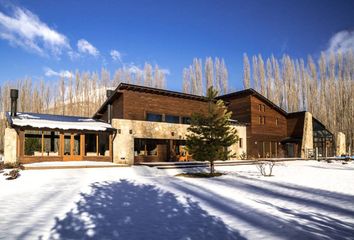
{"type": "Point", "coordinates": [315, 224]}
{"type": "Point", "coordinates": [125, 210]}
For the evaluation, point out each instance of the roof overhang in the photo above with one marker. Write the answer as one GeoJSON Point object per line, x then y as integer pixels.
{"type": "Point", "coordinates": [57, 122]}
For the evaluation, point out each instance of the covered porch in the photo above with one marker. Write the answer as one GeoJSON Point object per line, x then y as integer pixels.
{"type": "Point", "coordinates": [53, 138]}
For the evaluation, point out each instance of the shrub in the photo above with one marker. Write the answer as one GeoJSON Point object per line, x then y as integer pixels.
{"type": "Point", "coordinates": [243, 156]}
{"type": "Point", "coordinates": [13, 174]}
{"type": "Point", "coordinates": [265, 168]}
{"type": "Point", "coordinates": [13, 165]}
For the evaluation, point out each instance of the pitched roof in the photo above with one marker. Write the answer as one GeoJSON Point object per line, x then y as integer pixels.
{"type": "Point", "coordinates": [251, 91]}
{"type": "Point", "coordinates": [57, 122]}
{"type": "Point", "coordinates": [133, 87]}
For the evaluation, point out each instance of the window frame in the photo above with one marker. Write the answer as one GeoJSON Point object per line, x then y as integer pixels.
{"type": "Point", "coordinates": [173, 116]}
{"type": "Point", "coordinates": [156, 114]}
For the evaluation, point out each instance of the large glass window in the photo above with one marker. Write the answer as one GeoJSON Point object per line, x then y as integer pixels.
{"type": "Point", "coordinates": [139, 147]}
{"type": "Point", "coordinates": [145, 147]}
{"type": "Point", "coordinates": [103, 144]}
{"type": "Point", "coordinates": [33, 143]}
{"type": "Point", "coordinates": [151, 147]}
{"type": "Point", "coordinates": [91, 144]}
{"type": "Point", "coordinates": [172, 119]}
{"type": "Point", "coordinates": [67, 143]}
{"type": "Point", "coordinates": [77, 144]}
{"type": "Point", "coordinates": [51, 143]}
{"type": "Point", "coordinates": [154, 117]}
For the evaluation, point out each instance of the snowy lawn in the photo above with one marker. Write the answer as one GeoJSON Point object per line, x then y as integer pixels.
{"type": "Point", "coordinates": [304, 200]}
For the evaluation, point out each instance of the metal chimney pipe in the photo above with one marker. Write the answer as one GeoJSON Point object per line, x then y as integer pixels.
{"type": "Point", "coordinates": [14, 97]}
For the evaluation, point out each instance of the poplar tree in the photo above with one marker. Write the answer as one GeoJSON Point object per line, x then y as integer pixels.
{"type": "Point", "coordinates": [246, 72]}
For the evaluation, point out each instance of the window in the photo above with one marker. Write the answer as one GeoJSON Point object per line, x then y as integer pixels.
{"type": "Point", "coordinates": [145, 147]}
{"type": "Point", "coordinates": [262, 120]}
{"type": "Point", "coordinates": [51, 143]}
{"type": "Point", "coordinates": [139, 147]}
{"type": "Point", "coordinates": [67, 143]}
{"type": "Point", "coordinates": [154, 117]}
{"type": "Point", "coordinates": [171, 119]}
{"type": "Point", "coordinates": [240, 142]}
{"type": "Point", "coordinates": [276, 121]}
{"type": "Point", "coordinates": [151, 148]}
{"type": "Point", "coordinates": [103, 144]}
{"type": "Point", "coordinates": [261, 107]}
{"type": "Point", "coordinates": [77, 144]}
{"type": "Point", "coordinates": [186, 120]}
{"type": "Point", "coordinates": [91, 144]}
{"type": "Point", "coordinates": [41, 143]}
{"type": "Point", "coordinates": [33, 143]}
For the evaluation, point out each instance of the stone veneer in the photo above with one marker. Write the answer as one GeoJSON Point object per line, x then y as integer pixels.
{"type": "Point", "coordinates": [10, 146]}
{"type": "Point", "coordinates": [123, 143]}
{"type": "Point", "coordinates": [307, 137]}
{"type": "Point", "coordinates": [340, 144]}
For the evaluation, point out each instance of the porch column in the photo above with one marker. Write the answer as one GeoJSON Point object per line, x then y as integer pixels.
{"type": "Point", "coordinates": [10, 146]}
{"type": "Point", "coordinates": [123, 143]}
{"type": "Point", "coordinates": [340, 144]}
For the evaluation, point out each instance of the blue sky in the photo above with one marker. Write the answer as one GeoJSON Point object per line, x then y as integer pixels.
{"type": "Point", "coordinates": [39, 37]}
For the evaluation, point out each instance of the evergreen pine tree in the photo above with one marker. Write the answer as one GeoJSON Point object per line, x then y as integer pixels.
{"type": "Point", "coordinates": [211, 134]}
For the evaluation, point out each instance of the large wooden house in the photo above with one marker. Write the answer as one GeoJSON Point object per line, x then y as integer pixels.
{"type": "Point", "coordinates": [143, 124]}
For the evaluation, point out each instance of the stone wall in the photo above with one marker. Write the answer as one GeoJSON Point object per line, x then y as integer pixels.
{"type": "Point", "coordinates": [340, 144]}
{"type": "Point", "coordinates": [307, 137]}
{"type": "Point", "coordinates": [127, 130]}
{"type": "Point", "coordinates": [10, 146]}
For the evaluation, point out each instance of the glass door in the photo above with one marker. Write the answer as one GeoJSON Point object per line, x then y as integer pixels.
{"type": "Point", "coordinates": [72, 147]}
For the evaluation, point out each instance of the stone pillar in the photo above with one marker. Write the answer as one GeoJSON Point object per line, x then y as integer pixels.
{"type": "Point", "coordinates": [10, 146]}
{"type": "Point", "coordinates": [340, 144]}
{"type": "Point", "coordinates": [307, 135]}
{"type": "Point", "coordinates": [123, 143]}
{"type": "Point", "coordinates": [235, 148]}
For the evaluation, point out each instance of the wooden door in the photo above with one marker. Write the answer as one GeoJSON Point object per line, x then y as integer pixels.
{"type": "Point", "coordinates": [73, 144]}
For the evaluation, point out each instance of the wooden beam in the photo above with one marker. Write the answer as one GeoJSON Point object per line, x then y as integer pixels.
{"type": "Point", "coordinates": [97, 144]}
{"type": "Point", "coordinates": [42, 142]}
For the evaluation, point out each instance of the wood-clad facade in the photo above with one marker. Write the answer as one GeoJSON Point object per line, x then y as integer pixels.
{"type": "Point", "coordinates": [266, 124]}
{"type": "Point", "coordinates": [135, 103]}
{"type": "Point", "coordinates": [271, 131]}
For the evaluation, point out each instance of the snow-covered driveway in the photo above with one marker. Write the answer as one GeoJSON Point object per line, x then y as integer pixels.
{"type": "Point", "coordinates": [304, 200]}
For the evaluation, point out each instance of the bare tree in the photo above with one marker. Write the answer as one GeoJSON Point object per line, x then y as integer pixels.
{"type": "Point", "coordinates": [246, 72]}
{"type": "Point", "coordinates": [209, 73]}
{"type": "Point", "coordinates": [148, 75]}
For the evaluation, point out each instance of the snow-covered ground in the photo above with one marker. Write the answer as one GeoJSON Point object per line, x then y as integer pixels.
{"type": "Point", "coordinates": [304, 200]}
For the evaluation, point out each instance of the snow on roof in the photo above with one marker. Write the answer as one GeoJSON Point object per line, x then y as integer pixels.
{"type": "Point", "coordinates": [36, 120]}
